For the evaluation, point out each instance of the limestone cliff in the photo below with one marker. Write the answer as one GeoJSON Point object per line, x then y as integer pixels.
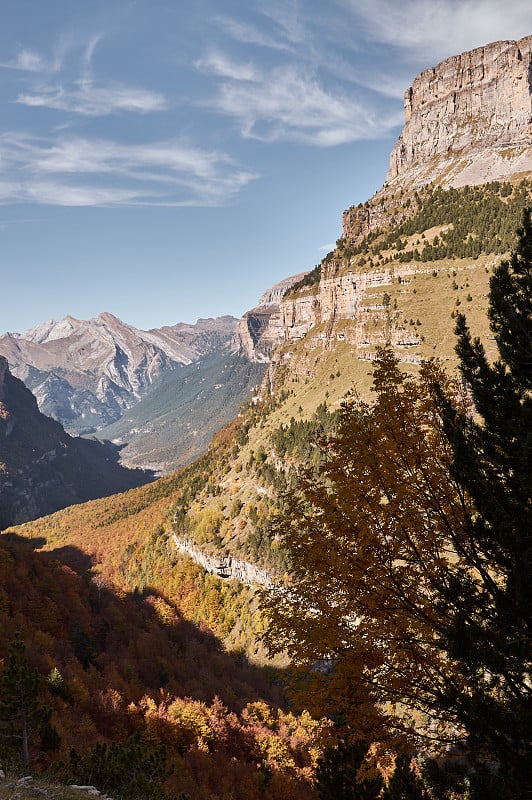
{"type": "Point", "coordinates": [468, 121]}
{"type": "Point", "coordinates": [260, 330]}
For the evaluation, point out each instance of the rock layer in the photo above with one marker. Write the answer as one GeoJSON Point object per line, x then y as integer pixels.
{"type": "Point", "coordinates": [469, 119]}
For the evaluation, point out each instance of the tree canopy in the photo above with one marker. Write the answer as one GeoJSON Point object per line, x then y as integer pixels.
{"type": "Point", "coordinates": [408, 613]}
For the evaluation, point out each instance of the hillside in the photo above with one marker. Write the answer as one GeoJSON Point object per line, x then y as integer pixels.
{"type": "Point", "coordinates": [176, 419]}
{"type": "Point", "coordinates": [410, 258]}
{"type": "Point", "coordinates": [42, 468]}
{"type": "Point", "coordinates": [114, 665]}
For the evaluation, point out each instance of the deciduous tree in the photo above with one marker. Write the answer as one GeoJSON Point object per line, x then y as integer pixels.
{"type": "Point", "coordinates": [409, 609]}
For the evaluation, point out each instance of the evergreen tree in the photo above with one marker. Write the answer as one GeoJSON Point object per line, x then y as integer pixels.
{"type": "Point", "coordinates": [22, 716]}
{"type": "Point", "coordinates": [492, 461]}
{"type": "Point", "coordinates": [339, 775]}
{"type": "Point", "coordinates": [411, 555]}
{"type": "Point", "coordinates": [125, 771]}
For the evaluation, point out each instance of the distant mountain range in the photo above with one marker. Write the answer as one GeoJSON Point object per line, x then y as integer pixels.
{"type": "Point", "coordinates": [175, 421]}
{"type": "Point", "coordinates": [86, 373]}
{"type": "Point", "coordinates": [42, 468]}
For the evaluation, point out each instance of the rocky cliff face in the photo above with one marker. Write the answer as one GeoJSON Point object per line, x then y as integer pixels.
{"type": "Point", "coordinates": [469, 119]}
{"type": "Point", "coordinates": [85, 373]}
{"type": "Point", "coordinates": [339, 297]}
{"type": "Point", "coordinates": [261, 329]}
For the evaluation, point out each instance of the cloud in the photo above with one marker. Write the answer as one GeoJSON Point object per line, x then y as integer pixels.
{"type": "Point", "coordinates": [95, 101]}
{"type": "Point", "coordinates": [289, 103]}
{"type": "Point", "coordinates": [249, 34]}
{"type": "Point", "coordinates": [82, 94]}
{"type": "Point", "coordinates": [216, 63]}
{"type": "Point", "coordinates": [429, 30]}
{"type": "Point", "coordinates": [81, 172]}
{"type": "Point", "coordinates": [27, 61]}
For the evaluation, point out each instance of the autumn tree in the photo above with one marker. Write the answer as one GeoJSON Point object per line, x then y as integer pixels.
{"type": "Point", "coordinates": [372, 539]}
{"type": "Point", "coordinates": [408, 613]}
{"type": "Point", "coordinates": [340, 773]}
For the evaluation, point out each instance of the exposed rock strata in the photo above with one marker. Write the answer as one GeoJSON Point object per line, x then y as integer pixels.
{"type": "Point", "coordinates": [260, 330]}
{"type": "Point", "coordinates": [469, 119]}
{"type": "Point", "coordinates": [224, 566]}
{"type": "Point", "coordinates": [337, 298]}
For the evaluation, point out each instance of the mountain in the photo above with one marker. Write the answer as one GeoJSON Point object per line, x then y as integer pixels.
{"type": "Point", "coordinates": [467, 120]}
{"type": "Point", "coordinates": [176, 419]}
{"type": "Point", "coordinates": [408, 259]}
{"type": "Point", "coordinates": [86, 373]}
{"type": "Point", "coordinates": [425, 243]}
{"type": "Point", "coordinates": [42, 468]}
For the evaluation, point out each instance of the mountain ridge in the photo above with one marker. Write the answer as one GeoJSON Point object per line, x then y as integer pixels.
{"type": "Point", "coordinates": [85, 373]}
{"type": "Point", "coordinates": [42, 468]}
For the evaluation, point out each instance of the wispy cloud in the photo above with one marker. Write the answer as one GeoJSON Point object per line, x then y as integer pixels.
{"type": "Point", "coordinates": [427, 30]}
{"type": "Point", "coordinates": [245, 33]}
{"type": "Point", "coordinates": [27, 61]}
{"type": "Point", "coordinates": [83, 94]}
{"type": "Point", "coordinates": [290, 103]}
{"type": "Point", "coordinates": [217, 63]}
{"type": "Point", "coordinates": [80, 172]}
{"type": "Point", "coordinates": [88, 99]}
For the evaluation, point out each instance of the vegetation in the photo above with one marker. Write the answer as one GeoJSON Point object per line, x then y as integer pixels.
{"type": "Point", "coordinates": [122, 676]}
{"type": "Point", "coordinates": [162, 431]}
{"type": "Point", "coordinates": [471, 221]}
{"type": "Point", "coordinates": [476, 219]}
{"type": "Point", "coordinates": [409, 610]}
{"type": "Point", "coordinates": [396, 528]}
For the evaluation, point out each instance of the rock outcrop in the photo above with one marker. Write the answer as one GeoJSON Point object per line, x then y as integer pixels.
{"type": "Point", "coordinates": [469, 119]}
{"type": "Point", "coordinates": [260, 330]}
{"type": "Point", "coordinates": [339, 297]}
{"type": "Point", "coordinates": [224, 566]}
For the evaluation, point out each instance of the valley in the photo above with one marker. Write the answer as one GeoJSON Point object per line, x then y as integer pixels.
{"type": "Point", "coordinates": [183, 610]}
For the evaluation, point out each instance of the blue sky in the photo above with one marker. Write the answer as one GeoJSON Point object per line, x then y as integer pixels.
{"type": "Point", "coordinates": [166, 161]}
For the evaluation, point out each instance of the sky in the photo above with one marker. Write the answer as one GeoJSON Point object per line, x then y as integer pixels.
{"type": "Point", "coordinates": [165, 161]}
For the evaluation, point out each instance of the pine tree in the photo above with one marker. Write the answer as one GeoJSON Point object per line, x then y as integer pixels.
{"type": "Point", "coordinates": [339, 775]}
{"type": "Point", "coordinates": [125, 771]}
{"type": "Point", "coordinates": [492, 461]}
{"type": "Point", "coordinates": [22, 716]}
{"type": "Point", "coordinates": [411, 555]}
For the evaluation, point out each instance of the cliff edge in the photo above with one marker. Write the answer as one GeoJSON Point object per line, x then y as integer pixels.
{"type": "Point", "coordinates": [468, 120]}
